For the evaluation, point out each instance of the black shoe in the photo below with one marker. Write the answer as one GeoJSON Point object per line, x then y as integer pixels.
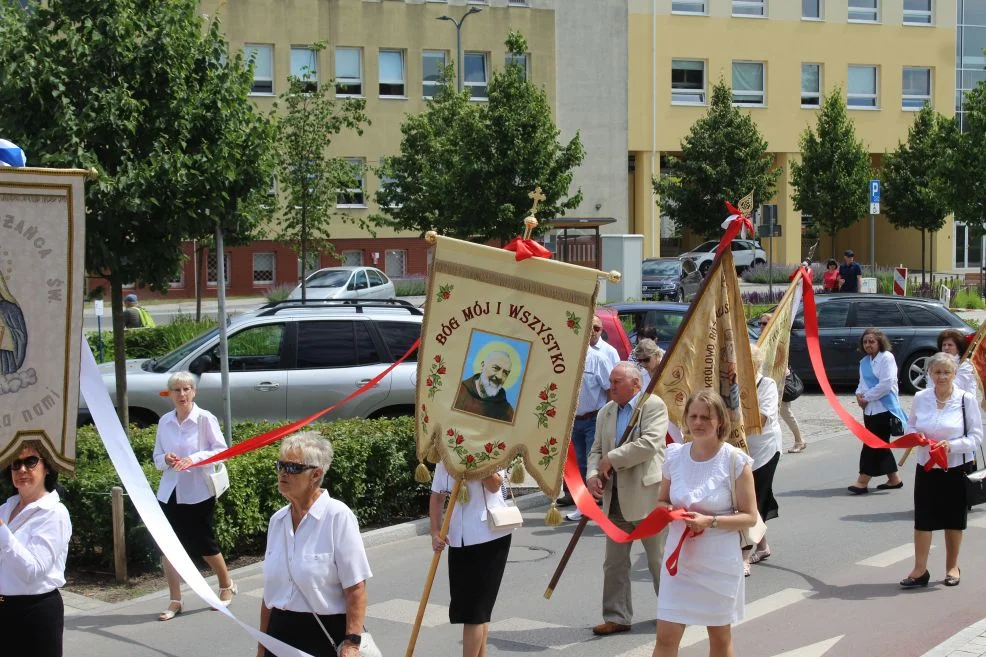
{"type": "Point", "coordinates": [857, 490]}
{"type": "Point", "coordinates": [565, 500]}
{"type": "Point", "coordinates": [953, 580]}
{"type": "Point", "coordinates": [915, 582]}
{"type": "Point", "coordinates": [889, 486]}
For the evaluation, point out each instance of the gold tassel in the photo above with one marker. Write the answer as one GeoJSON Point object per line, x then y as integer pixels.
{"type": "Point", "coordinates": [433, 454]}
{"type": "Point", "coordinates": [421, 474]}
{"type": "Point", "coordinates": [517, 474]}
{"type": "Point", "coordinates": [464, 493]}
{"type": "Point", "coordinates": [553, 519]}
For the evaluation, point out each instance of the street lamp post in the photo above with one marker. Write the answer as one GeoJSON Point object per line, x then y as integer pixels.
{"type": "Point", "coordinates": [458, 41]}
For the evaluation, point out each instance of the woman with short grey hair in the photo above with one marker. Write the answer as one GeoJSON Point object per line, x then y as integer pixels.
{"type": "Point", "coordinates": [648, 355]}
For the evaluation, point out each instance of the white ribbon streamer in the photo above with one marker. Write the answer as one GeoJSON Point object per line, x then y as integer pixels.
{"type": "Point", "coordinates": [144, 499]}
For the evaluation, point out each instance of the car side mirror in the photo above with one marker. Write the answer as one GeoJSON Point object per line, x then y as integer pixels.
{"type": "Point", "coordinates": [203, 363]}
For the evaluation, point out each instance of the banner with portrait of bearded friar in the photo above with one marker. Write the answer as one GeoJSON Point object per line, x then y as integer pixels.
{"type": "Point", "coordinates": [503, 344]}
{"type": "Point", "coordinates": [42, 254]}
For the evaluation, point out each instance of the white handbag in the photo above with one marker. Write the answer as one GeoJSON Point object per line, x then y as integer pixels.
{"type": "Point", "coordinates": [501, 518]}
{"type": "Point", "coordinates": [218, 476]}
{"type": "Point", "coordinates": [750, 536]}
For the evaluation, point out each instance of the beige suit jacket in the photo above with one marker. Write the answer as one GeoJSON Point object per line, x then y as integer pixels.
{"type": "Point", "coordinates": [637, 461]}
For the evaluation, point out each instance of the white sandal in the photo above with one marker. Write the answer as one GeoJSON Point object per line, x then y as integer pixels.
{"type": "Point", "coordinates": [233, 591]}
{"type": "Point", "coordinates": [170, 613]}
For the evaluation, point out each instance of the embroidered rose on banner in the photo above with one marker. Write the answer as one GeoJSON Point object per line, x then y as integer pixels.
{"type": "Point", "coordinates": [546, 408]}
{"type": "Point", "coordinates": [491, 450]}
{"type": "Point", "coordinates": [574, 322]}
{"type": "Point", "coordinates": [434, 380]}
{"type": "Point", "coordinates": [548, 452]}
{"type": "Point", "coordinates": [444, 293]}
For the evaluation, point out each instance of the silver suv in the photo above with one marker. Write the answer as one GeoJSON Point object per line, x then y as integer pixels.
{"type": "Point", "coordinates": [287, 361]}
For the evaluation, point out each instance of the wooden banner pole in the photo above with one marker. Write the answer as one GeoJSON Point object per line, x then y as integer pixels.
{"type": "Point", "coordinates": [432, 570]}
{"type": "Point", "coordinates": [565, 557]}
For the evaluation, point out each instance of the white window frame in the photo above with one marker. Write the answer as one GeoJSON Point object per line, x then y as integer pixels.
{"type": "Point", "coordinates": [309, 79]}
{"type": "Point", "coordinates": [821, 12]}
{"type": "Point", "coordinates": [699, 94]}
{"type": "Point", "coordinates": [403, 256]}
{"type": "Point", "coordinates": [517, 3]}
{"type": "Point", "coordinates": [361, 178]}
{"type": "Point", "coordinates": [817, 94]}
{"type": "Point", "coordinates": [254, 51]}
{"type": "Point", "coordinates": [926, 17]}
{"type": "Point", "coordinates": [924, 99]}
{"type": "Point", "coordinates": [179, 281]}
{"type": "Point", "coordinates": [402, 81]}
{"type": "Point", "coordinates": [427, 85]}
{"type": "Point", "coordinates": [272, 269]}
{"type": "Point", "coordinates": [864, 96]}
{"type": "Point", "coordinates": [875, 12]}
{"type": "Point", "coordinates": [486, 76]}
{"type": "Point", "coordinates": [762, 92]}
{"type": "Point", "coordinates": [701, 11]}
{"type": "Point", "coordinates": [344, 259]}
{"type": "Point", "coordinates": [212, 268]}
{"type": "Point", "coordinates": [522, 58]}
{"type": "Point", "coordinates": [349, 80]}
{"type": "Point", "coordinates": [760, 5]}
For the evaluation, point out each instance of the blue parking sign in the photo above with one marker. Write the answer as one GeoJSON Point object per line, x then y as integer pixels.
{"type": "Point", "coordinates": [874, 191]}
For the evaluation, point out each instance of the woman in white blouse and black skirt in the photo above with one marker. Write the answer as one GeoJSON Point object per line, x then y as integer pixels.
{"type": "Point", "coordinates": [944, 413]}
{"type": "Point", "coordinates": [877, 396]}
{"type": "Point", "coordinates": [34, 535]}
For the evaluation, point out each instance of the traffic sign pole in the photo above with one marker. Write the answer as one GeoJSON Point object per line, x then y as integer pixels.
{"type": "Point", "coordinates": [874, 211]}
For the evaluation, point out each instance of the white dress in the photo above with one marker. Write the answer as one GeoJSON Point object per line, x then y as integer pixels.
{"type": "Point", "coordinates": [708, 588]}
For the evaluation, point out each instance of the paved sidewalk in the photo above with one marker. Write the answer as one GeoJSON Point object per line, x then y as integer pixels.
{"type": "Point", "coordinates": [970, 642]}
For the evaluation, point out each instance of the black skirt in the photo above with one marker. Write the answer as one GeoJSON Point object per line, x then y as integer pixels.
{"type": "Point", "coordinates": [300, 630]}
{"type": "Point", "coordinates": [37, 620]}
{"type": "Point", "coordinates": [763, 486]}
{"type": "Point", "coordinates": [194, 524]}
{"type": "Point", "coordinates": [876, 462]}
{"type": "Point", "coordinates": [939, 499]}
{"type": "Point", "coordinates": [474, 575]}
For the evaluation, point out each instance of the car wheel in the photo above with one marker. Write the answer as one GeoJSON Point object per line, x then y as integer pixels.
{"type": "Point", "coordinates": [704, 267]}
{"type": "Point", "coordinates": [393, 412]}
{"type": "Point", "coordinates": [758, 262]}
{"type": "Point", "coordinates": [142, 418]}
{"type": "Point", "coordinates": [915, 377]}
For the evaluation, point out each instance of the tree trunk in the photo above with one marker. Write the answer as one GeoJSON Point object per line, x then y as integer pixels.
{"type": "Point", "coordinates": [119, 351]}
{"type": "Point", "coordinates": [304, 251]}
{"type": "Point", "coordinates": [922, 257]}
{"type": "Point", "coordinates": [199, 280]}
{"type": "Point", "coordinates": [832, 243]}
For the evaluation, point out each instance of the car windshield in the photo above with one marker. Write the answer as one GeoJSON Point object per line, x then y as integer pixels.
{"type": "Point", "coordinates": [704, 247]}
{"type": "Point", "coordinates": [332, 278]}
{"type": "Point", "coordinates": [166, 362]}
{"type": "Point", "coordinates": [661, 268]}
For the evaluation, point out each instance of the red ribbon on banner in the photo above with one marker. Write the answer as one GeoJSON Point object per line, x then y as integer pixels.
{"type": "Point", "coordinates": [273, 435]}
{"type": "Point", "coordinates": [738, 223]}
{"type": "Point", "coordinates": [527, 248]}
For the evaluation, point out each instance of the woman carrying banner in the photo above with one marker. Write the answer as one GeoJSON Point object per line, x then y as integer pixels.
{"type": "Point", "coordinates": [945, 413]}
{"type": "Point", "coordinates": [477, 554]}
{"type": "Point", "coordinates": [877, 396]}
{"type": "Point", "coordinates": [315, 566]}
{"type": "Point", "coordinates": [785, 412]}
{"type": "Point", "coordinates": [34, 535]}
{"type": "Point", "coordinates": [649, 356]}
{"type": "Point", "coordinates": [701, 476]}
{"type": "Point", "coordinates": [954, 344]}
{"type": "Point", "coordinates": [186, 436]}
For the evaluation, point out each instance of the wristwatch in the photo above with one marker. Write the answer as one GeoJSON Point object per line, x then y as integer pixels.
{"type": "Point", "coordinates": [715, 522]}
{"type": "Point", "coordinates": [355, 639]}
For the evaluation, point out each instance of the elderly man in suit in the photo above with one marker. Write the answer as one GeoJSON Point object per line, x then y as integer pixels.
{"type": "Point", "coordinates": [626, 474]}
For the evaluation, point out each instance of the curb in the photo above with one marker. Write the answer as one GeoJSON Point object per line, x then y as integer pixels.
{"type": "Point", "coordinates": [961, 641]}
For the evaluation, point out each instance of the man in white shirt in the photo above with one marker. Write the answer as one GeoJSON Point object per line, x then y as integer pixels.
{"type": "Point", "coordinates": [596, 343]}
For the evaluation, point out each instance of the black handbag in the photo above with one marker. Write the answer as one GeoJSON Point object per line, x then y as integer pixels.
{"type": "Point", "coordinates": [793, 387]}
{"type": "Point", "coordinates": [975, 480]}
{"type": "Point", "coordinates": [896, 426]}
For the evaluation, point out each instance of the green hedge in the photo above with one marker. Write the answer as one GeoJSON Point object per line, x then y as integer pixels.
{"type": "Point", "coordinates": [152, 342]}
{"type": "Point", "coordinates": [372, 472]}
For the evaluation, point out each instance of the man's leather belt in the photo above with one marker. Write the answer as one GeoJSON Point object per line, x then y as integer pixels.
{"type": "Point", "coordinates": [587, 416]}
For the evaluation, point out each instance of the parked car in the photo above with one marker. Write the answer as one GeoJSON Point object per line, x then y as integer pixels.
{"type": "Point", "coordinates": [746, 253]}
{"type": "Point", "coordinates": [346, 283]}
{"type": "Point", "coordinates": [659, 321]}
{"type": "Point", "coordinates": [670, 279]}
{"type": "Point", "coordinates": [911, 323]}
{"type": "Point", "coordinates": [287, 361]}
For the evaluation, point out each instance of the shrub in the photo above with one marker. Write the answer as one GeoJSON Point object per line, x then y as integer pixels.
{"type": "Point", "coordinates": [763, 274]}
{"type": "Point", "coordinates": [969, 300]}
{"type": "Point", "coordinates": [154, 341]}
{"type": "Point", "coordinates": [372, 472]}
{"type": "Point", "coordinates": [752, 310]}
{"type": "Point", "coordinates": [279, 293]}
{"type": "Point", "coordinates": [410, 287]}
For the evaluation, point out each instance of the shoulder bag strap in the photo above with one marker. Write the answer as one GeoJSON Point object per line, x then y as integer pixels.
{"type": "Point", "coordinates": [732, 479]}
{"type": "Point", "coordinates": [304, 597]}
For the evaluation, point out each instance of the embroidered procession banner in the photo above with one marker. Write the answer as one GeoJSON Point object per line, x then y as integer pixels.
{"type": "Point", "coordinates": [503, 345]}
{"type": "Point", "coordinates": [775, 339]}
{"type": "Point", "coordinates": [42, 254]}
{"type": "Point", "coordinates": [712, 350]}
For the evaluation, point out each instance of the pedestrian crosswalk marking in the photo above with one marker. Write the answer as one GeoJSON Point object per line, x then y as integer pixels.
{"type": "Point", "coordinates": [559, 638]}
{"type": "Point", "coordinates": [890, 557]}
{"type": "Point", "coordinates": [399, 610]}
{"type": "Point", "coordinates": [814, 650]}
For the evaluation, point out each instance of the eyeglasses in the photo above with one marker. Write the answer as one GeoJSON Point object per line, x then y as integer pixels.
{"type": "Point", "coordinates": [763, 323]}
{"type": "Point", "coordinates": [597, 329]}
{"type": "Point", "coordinates": [292, 468]}
{"type": "Point", "coordinates": [29, 463]}
{"type": "Point", "coordinates": [644, 360]}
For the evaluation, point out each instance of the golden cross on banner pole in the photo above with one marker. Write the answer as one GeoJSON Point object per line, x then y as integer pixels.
{"type": "Point", "coordinates": [537, 197]}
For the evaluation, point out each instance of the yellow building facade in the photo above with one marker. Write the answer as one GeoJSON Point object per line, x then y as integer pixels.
{"type": "Point", "coordinates": [779, 56]}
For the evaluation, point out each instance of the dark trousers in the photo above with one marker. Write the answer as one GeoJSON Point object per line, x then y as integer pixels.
{"type": "Point", "coordinates": [37, 622]}
{"type": "Point", "coordinates": [300, 630]}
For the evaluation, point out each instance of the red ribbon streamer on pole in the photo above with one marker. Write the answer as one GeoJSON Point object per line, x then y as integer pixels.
{"type": "Point", "coordinates": [734, 228]}
{"type": "Point", "coordinates": [527, 248]}
{"type": "Point", "coordinates": [273, 435]}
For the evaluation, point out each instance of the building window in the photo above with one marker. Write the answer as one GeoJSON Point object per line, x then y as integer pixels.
{"type": "Point", "coordinates": [688, 7]}
{"type": "Point", "coordinates": [687, 82]}
{"type": "Point", "coordinates": [517, 3]}
{"type": "Point", "coordinates": [862, 87]}
{"type": "Point", "coordinates": [349, 72]}
{"type": "Point", "coordinates": [304, 66]}
{"type": "Point", "coordinates": [865, 11]}
{"type": "Point", "coordinates": [916, 88]}
{"type": "Point", "coordinates": [386, 182]}
{"type": "Point", "coordinates": [396, 263]}
{"type": "Point", "coordinates": [263, 68]}
{"type": "Point", "coordinates": [212, 269]}
{"type": "Point", "coordinates": [917, 12]}
{"type": "Point", "coordinates": [750, 8]}
{"type": "Point", "coordinates": [432, 64]}
{"type": "Point", "coordinates": [313, 262]}
{"type": "Point", "coordinates": [475, 76]}
{"type": "Point", "coordinates": [352, 258]}
{"type": "Point", "coordinates": [392, 73]}
{"type": "Point", "coordinates": [811, 9]}
{"type": "Point", "coordinates": [520, 60]}
{"type": "Point", "coordinates": [354, 197]}
{"type": "Point", "coordinates": [179, 280]}
{"type": "Point", "coordinates": [811, 85]}
{"type": "Point", "coordinates": [748, 83]}
{"type": "Point", "coordinates": [263, 268]}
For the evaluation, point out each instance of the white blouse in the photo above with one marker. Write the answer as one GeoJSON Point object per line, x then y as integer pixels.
{"type": "Point", "coordinates": [965, 378]}
{"type": "Point", "coordinates": [885, 370]}
{"type": "Point", "coordinates": [33, 547]}
{"type": "Point", "coordinates": [469, 525]}
{"type": "Point", "coordinates": [198, 437]}
{"type": "Point", "coordinates": [769, 442]}
{"type": "Point", "coordinates": [324, 557]}
{"type": "Point", "coordinates": [964, 435]}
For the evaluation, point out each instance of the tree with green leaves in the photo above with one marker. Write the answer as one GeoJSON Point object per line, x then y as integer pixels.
{"type": "Point", "coordinates": [724, 158]}
{"type": "Point", "coordinates": [968, 169]}
{"type": "Point", "coordinates": [831, 181]}
{"type": "Point", "coordinates": [466, 169]}
{"type": "Point", "coordinates": [916, 187]}
{"type": "Point", "coordinates": [141, 92]}
{"type": "Point", "coordinates": [313, 182]}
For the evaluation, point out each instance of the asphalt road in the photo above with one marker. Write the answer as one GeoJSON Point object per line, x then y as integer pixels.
{"type": "Point", "coordinates": [828, 589]}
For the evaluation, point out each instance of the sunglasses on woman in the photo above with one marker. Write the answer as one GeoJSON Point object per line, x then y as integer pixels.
{"type": "Point", "coordinates": [292, 468]}
{"type": "Point", "coordinates": [29, 463]}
